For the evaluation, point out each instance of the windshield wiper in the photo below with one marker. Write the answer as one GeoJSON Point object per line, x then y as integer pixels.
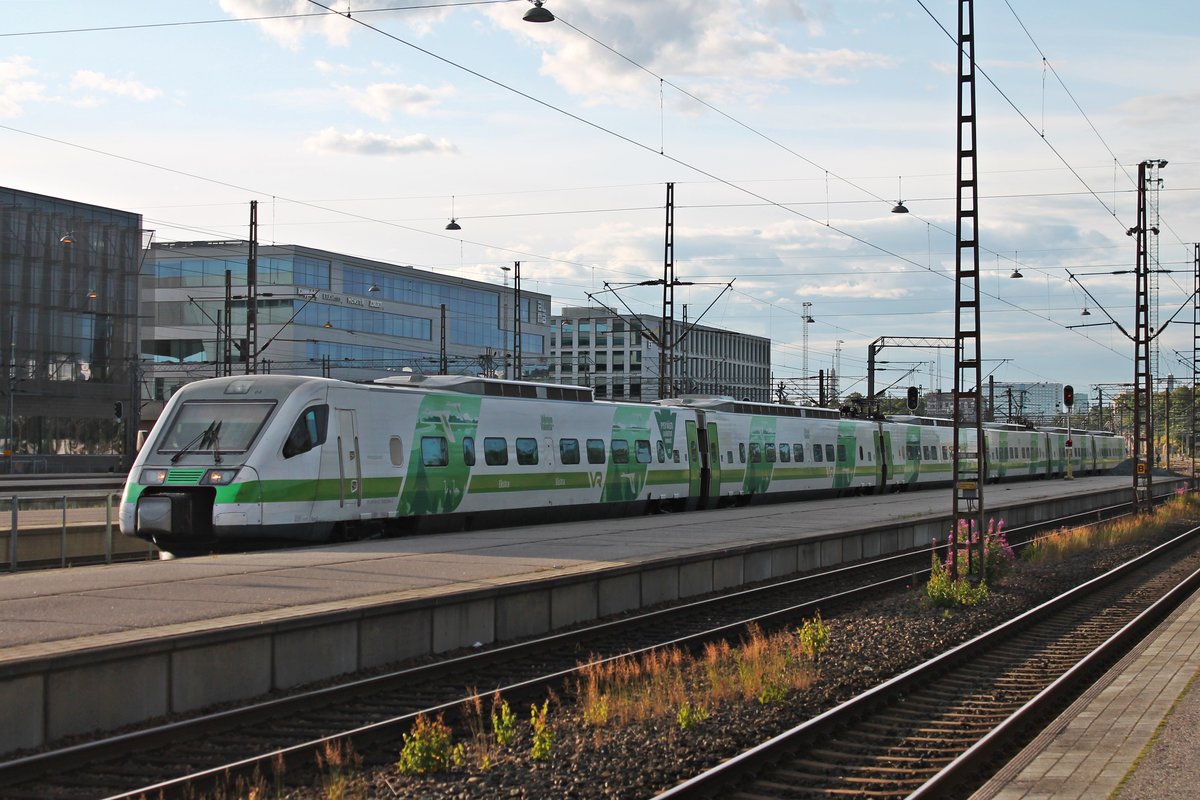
{"type": "Point", "coordinates": [214, 443]}
{"type": "Point", "coordinates": [205, 438]}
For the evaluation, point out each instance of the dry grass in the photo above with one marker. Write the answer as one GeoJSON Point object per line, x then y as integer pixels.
{"type": "Point", "coordinates": [1067, 542]}
{"type": "Point", "coordinates": [763, 667]}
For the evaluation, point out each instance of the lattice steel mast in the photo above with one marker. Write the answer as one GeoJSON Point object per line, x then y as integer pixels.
{"type": "Point", "coordinates": [969, 449]}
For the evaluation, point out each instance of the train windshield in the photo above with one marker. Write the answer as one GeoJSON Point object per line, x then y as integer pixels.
{"type": "Point", "coordinates": [214, 426]}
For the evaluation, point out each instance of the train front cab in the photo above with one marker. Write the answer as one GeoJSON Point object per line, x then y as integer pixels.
{"type": "Point", "coordinates": [198, 481]}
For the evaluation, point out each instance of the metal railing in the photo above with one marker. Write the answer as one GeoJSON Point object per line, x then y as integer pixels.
{"type": "Point", "coordinates": [66, 529]}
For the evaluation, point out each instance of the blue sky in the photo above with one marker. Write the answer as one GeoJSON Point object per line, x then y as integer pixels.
{"type": "Point", "coordinates": [554, 150]}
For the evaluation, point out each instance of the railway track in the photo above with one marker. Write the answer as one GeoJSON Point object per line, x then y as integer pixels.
{"type": "Point", "coordinates": [196, 755]}
{"type": "Point", "coordinates": [939, 730]}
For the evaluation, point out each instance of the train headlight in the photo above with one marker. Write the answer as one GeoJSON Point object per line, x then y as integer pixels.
{"type": "Point", "coordinates": [153, 477]}
{"type": "Point", "coordinates": [219, 477]}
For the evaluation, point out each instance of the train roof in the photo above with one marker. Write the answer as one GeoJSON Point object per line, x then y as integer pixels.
{"type": "Point", "coordinates": [913, 419]}
{"type": "Point", "coordinates": [1080, 431]}
{"type": "Point", "coordinates": [711, 403]}
{"type": "Point", "coordinates": [1007, 426]}
{"type": "Point", "coordinates": [490, 387]}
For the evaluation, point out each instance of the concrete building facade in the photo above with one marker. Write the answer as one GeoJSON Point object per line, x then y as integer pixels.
{"type": "Point", "coordinates": [618, 356]}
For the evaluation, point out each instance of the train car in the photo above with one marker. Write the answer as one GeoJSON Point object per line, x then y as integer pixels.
{"type": "Point", "coordinates": [1011, 450]}
{"type": "Point", "coordinates": [764, 451]}
{"type": "Point", "coordinates": [272, 457]}
{"type": "Point", "coordinates": [923, 448]}
{"type": "Point", "coordinates": [246, 460]}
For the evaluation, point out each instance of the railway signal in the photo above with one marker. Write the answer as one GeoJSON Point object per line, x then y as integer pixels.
{"type": "Point", "coordinates": [913, 397]}
{"type": "Point", "coordinates": [1068, 395]}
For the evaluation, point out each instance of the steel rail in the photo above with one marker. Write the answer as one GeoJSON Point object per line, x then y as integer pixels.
{"type": "Point", "coordinates": [719, 778]}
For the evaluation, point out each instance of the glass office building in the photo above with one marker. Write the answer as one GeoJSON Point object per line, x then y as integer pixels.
{"type": "Point", "coordinates": [70, 330]}
{"type": "Point", "coordinates": [323, 313]}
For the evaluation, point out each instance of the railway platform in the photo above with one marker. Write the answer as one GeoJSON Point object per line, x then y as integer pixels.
{"type": "Point", "coordinates": [95, 648]}
{"type": "Point", "coordinates": [1131, 736]}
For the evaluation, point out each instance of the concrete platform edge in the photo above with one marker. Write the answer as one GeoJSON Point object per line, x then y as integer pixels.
{"type": "Point", "coordinates": [106, 685]}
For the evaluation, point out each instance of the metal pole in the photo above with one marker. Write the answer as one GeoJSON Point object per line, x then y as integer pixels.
{"type": "Point", "coordinates": [1143, 396]}
{"type": "Point", "coordinates": [12, 384]}
{"type": "Point", "coordinates": [251, 353]}
{"type": "Point", "coordinates": [62, 551]}
{"type": "Point", "coordinates": [666, 349]}
{"type": "Point", "coordinates": [518, 373]}
{"type": "Point", "coordinates": [970, 448]}
{"type": "Point", "coordinates": [108, 528]}
{"type": "Point", "coordinates": [1167, 418]}
{"type": "Point", "coordinates": [12, 534]}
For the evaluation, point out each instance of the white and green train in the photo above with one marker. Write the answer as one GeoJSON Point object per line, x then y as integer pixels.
{"type": "Point", "coordinates": [246, 460]}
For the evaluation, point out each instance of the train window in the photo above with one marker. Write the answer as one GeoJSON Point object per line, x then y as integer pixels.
{"type": "Point", "coordinates": [829, 452]}
{"type": "Point", "coordinates": [527, 450]}
{"type": "Point", "coordinates": [643, 451]}
{"type": "Point", "coordinates": [694, 449]}
{"type": "Point", "coordinates": [495, 451]}
{"type": "Point", "coordinates": [945, 453]}
{"type": "Point", "coordinates": [817, 455]}
{"type": "Point", "coordinates": [675, 456]}
{"type": "Point", "coordinates": [925, 455]}
{"type": "Point", "coordinates": [770, 452]}
{"type": "Point", "coordinates": [595, 451]}
{"type": "Point", "coordinates": [728, 456]}
{"type": "Point", "coordinates": [568, 451]}
{"type": "Point", "coordinates": [841, 453]}
{"type": "Point", "coordinates": [620, 451]}
{"type": "Point", "coordinates": [785, 452]}
{"type": "Point", "coordinates": [662, 452]}
{"type": "Point", "coordinates": [308, 431]}
{"type": "Point", "coordinates": [798, 449]}
{"type": "Point", "coordinates": [755, 453]}
{"type": "Point", "coordinates": [396, 450]}
{"type": "Point", "coordinates": [434, 451]}
{"type": "Point", "coordinates": [469, 450]}
{"type": "Point", "coordinates": [741, 452]}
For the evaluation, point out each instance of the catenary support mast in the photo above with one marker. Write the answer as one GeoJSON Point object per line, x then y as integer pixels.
{"type": "Point", "coordinates": [969, 446]}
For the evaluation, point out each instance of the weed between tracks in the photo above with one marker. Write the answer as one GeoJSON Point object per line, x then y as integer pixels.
{"type": "Point", "coordinates": [632, 726]}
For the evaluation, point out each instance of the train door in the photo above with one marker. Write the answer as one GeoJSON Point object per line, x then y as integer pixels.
{"type": "Point", "coordinates": [883, 449]}
{"type": "Point", "coordinates": [349, 461]}
{"type": "Point", "coordinates": [697, 471]}
{"type": "Point", "coordinates": [712, 486]}
{"type": "Point", "coordinates": [846, 457]}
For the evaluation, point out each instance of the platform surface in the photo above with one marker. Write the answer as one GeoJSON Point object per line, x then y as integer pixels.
{"type": "Point", "coordinates": [1135, 730]}
{"type": "Point", "coordinates": [44, 613]}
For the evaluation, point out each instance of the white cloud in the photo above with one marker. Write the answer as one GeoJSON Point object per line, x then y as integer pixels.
{"type": "Point", "coordinates": [15, 91]}
{"type": "Point", "coordinates": [735, 48]}
{"type": "Point", "coordinates": [334, 28]}
{"type": "Point", "coordinates": [98, 81]}
{"type": "Point", "coordinates": [362, 143]}
{"type": "Point", "coordinates": [290, 32]}
{"type": "Point", "coordinates": [379, 100]}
